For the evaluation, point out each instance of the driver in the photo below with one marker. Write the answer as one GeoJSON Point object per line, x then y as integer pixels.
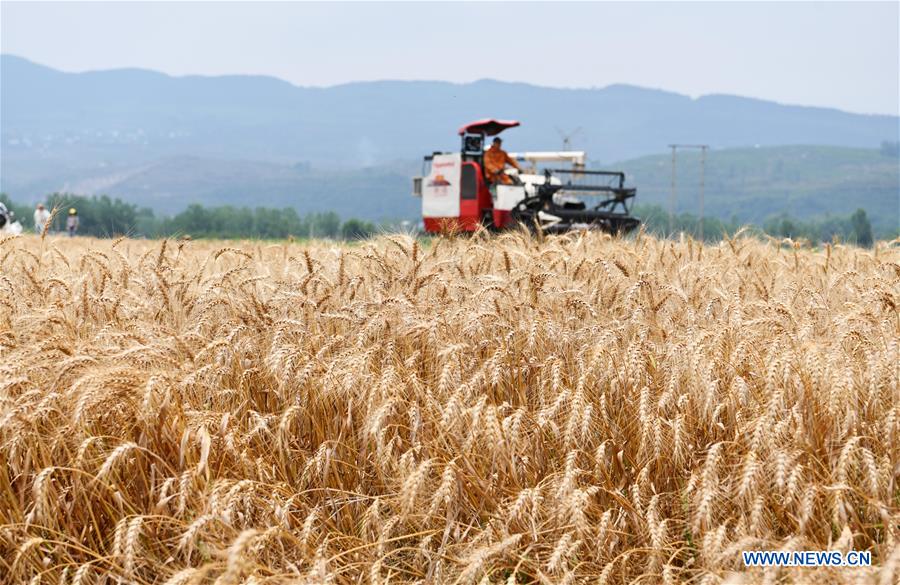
{"type": "Point", "coordinates": [495, 160]}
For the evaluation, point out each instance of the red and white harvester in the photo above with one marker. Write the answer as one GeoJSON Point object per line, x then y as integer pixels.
{"type": "Point", "coordinates": [457, 197]}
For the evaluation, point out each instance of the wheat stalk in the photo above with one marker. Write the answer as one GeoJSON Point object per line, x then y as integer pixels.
{"type": "Point", "coordinates": [506, 408]}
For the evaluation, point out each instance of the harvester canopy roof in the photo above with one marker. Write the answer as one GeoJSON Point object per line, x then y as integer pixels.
{"type": "Point", "coordinates": [487, 126]}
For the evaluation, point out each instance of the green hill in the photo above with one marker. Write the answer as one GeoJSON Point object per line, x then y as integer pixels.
{"type": "Point", "coordinates": [744, 185]}
{"type": "Point", "coordinates": [137, 116]}
{"type": "Point", "coordinates": [753, 184]}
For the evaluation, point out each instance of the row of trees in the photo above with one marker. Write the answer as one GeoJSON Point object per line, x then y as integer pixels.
{"type": "Point", "coordinates": [104, 217]}
{"type": "Point", "coordinates": [855, 228]}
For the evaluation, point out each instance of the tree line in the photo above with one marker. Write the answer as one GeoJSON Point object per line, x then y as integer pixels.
{"type": "Point", "coordinates": [854, 228]}
{"type": "Point", "coordinates": [102, 216]}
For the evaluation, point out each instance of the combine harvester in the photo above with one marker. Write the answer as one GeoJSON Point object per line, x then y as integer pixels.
{"type": "Point", "coordinates": [457, 197]}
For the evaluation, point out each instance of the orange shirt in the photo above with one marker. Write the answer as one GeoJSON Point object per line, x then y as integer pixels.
{"type": "Point", "coordinates": [495, 159]}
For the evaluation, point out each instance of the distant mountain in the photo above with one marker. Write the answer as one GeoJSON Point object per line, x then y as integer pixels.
{"type": "Point", "coordinates": [133, 114]}
{"type": "Point", "coordinates": [166, 141]}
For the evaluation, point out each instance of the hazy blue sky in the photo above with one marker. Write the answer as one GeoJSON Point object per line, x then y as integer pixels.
{"type": "Point", "coordinates": [843, 55]}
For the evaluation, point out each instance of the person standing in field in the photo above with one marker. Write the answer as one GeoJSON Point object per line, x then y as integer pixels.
{"type": "Point", "coordinates": [41, 217]}
{"type": "Point", "coordinates": [72, 222]}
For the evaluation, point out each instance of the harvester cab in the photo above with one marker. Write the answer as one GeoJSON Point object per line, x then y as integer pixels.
{"type": "Point", "coordinates": [456, 195]}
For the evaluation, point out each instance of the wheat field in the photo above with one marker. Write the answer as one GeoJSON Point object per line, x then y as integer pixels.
{"type": "Point", "coordinates": [493, 409]}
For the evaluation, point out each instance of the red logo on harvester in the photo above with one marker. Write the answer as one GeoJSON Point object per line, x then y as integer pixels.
{"type": "Point", "coordinates": [439, 181]}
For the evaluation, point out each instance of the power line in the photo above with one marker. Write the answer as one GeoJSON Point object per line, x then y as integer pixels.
{"type": "Point", "coordinates": [703, 148]}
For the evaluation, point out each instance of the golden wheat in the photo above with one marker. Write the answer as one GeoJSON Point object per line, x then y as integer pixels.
{"type": "Point", "coordinates": [493, 409]}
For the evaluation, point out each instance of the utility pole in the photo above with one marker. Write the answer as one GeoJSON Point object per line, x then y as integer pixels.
{"type": "Point", "coordinates": [674, 147]}
{"type": "Point", "coordinates": [703, 148]}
